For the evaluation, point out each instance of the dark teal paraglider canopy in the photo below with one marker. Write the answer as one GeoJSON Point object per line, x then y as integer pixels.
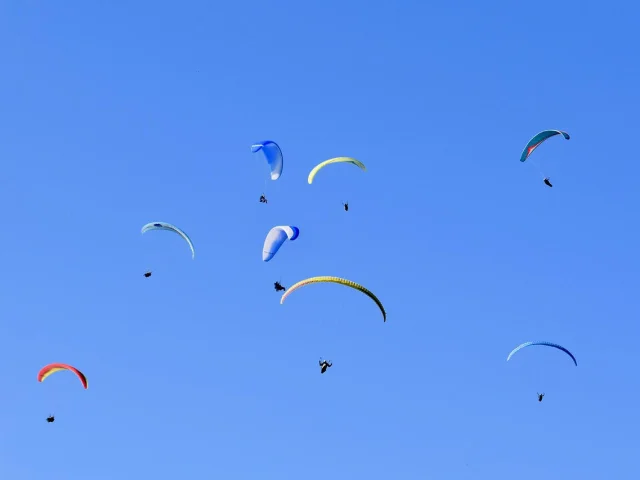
{"type": "Point", "coordinates": [538, 139]}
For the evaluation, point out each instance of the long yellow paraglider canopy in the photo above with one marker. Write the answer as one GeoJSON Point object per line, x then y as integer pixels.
{"type": "Point", "coordinates": [341, 281]}
{"type": "Point", "coordinates": [318, 167]}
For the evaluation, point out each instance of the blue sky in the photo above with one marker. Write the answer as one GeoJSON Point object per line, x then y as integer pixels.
{"type": "Point", "coordinates": [118, 114]}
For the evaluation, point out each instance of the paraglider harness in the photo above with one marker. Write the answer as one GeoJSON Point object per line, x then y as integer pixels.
{"type": "Point", "coordinates": [51, 419]}
{"type": "Point", "coordinates": [324, 365]}
{"type": "Point", "coordinates": [263, 199]}
{"type": "Point", "coordinates": [279, 287]}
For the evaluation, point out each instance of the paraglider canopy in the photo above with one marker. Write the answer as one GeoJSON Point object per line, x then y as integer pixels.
{"type": "Point", "coordinates": [275, 238]}
{"type": "Point", "coordinates": [537, 140]}
{"type": "Point", "coordinates": [170, 228]}
{"type": "Point", "coordinates": [545, 344]}
{"type": "Point", "coordinates": [331, 161]}
{"type": "Point", "coordinates": [52, 368]}
{"type": "Point", "coordinates": [340, 281]}
{"type": "Point", "coordinates": [273, 155]}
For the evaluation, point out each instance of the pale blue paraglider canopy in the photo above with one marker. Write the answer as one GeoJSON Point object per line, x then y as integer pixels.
{"type": "Point", "coordinates": [275, 238]}
{"type": "Point", "coordinates": [273, 154]}
{"type": "Point", "coordinates": [171, 228]}
{"type": "Point", "coordinates": [546, 344]}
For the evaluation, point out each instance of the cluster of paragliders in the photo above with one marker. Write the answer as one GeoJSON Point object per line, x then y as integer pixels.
{"type": "Point", "coordinates": [278, 235]}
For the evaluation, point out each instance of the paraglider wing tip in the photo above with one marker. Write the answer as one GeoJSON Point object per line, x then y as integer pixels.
{"type": "Point", "coordinates": [255, 147]}
{"type": "Point", "coordinates": [275, 175]}
{"type": "Point", "coordinates": [296, 233]}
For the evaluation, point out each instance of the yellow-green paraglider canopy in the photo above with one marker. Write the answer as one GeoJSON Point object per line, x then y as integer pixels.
{"type": "Point", "coordinates": [320, 166]}
{"type": "Point", "coordinates": [341, 281]}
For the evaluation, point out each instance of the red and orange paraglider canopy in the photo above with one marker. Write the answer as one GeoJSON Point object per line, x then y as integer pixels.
{"type": "Point", "coordinates": [56, 367]}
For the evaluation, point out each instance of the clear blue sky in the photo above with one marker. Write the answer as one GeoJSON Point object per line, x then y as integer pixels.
{"type": "Point", "coordinates": [118, 114]}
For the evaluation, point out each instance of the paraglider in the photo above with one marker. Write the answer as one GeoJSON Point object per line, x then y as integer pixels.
{"type": "Point", "coordinates": [341, 281]}
{"type": "Point", "coordinates": [273, 155]}
{"type": "Point", "coordinates": [263, 199]}
{"type": "Point", "coordinates": [276, 238]}
{"type": "Point", "coordinates": [170, 228]}
{"type": "Point", "coordinates": [346, 206]}
{"type": "Point", "coordinates": [546, 344]}
{"type": "Point", "coordinates": [321, 165]}
{"type": "Point", "coordinates": [279, 287]}
{"type": "Point", "coordinates": [147, 274]}
{"type": "Point", "coordinates": [52, 368]}
{"type": "Point", "coordinates": [324, 365]}
{"type": "Point", "coordinates": [535, 142]}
